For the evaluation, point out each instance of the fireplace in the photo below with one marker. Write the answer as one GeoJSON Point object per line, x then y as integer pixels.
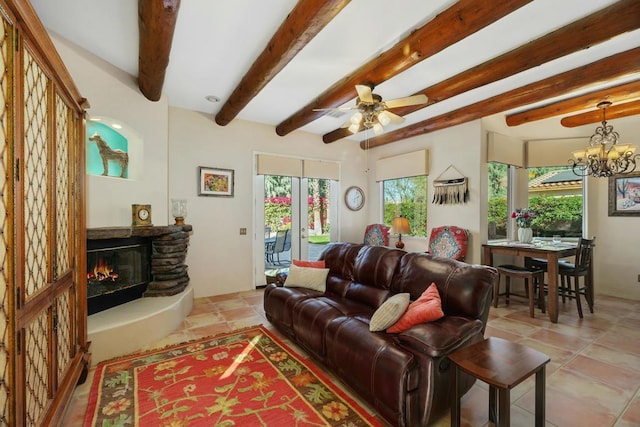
{"type": "Point", "coordinates": [126, 263]}
{"type": "Point", "coordinates": [118, 271]}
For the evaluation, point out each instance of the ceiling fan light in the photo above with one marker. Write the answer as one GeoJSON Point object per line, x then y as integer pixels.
{"type": "Point", "coordinates": [354, 127]}
{"type": "Point", "coordinates": [377, 129]}
{"type": "Point", "coordinates": [356, 118]}
{"type": "Point", "coordinates": [384, 118]}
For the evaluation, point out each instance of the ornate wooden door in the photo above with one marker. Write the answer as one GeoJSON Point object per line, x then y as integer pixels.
{"type": "Point", "coordinates": [42, 311]}
{"type": "Point", "coordinates": [7, 343]}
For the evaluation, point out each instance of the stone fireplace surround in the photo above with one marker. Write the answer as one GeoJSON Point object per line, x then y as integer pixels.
{"type": "Point", "coordinates": [169, 245]}
{"type": "Point", "coordinates": [131, 326]}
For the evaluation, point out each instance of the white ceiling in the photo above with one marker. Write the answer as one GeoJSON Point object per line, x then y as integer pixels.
{"type": "Point", "coordinates": [216, 41]}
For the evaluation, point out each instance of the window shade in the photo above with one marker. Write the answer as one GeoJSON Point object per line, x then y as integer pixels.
{"type": "Point", "coordinates": [505, 149]}
{"type": "Point", "coordinates": [406, 165]}
{"type": "Point", "coordinates": [321, 169]}
{"type": "Point", "coordinates": [291, 166]}
{"type": "Point", "coordinates": [275, 165]}
{"type": "Point", "coordinates": [553, 152]}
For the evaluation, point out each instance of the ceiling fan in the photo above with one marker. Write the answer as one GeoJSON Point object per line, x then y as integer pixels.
{"type": "Point", "coordinates": [373, 112]}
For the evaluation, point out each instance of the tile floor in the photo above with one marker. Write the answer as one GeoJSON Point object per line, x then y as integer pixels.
{"type": "Point", "coordinates": [593, 378]}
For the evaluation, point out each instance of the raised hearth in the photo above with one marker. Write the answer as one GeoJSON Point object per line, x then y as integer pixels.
{"type": "Point", "coordinates": [169, 273]}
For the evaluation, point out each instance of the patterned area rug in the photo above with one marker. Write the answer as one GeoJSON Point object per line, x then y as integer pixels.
{"type": "Point", "coordinates": [243, 378]}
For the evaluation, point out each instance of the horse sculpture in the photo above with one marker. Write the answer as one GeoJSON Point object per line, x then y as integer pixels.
{"type": "Point", "coordinates": [107, 153]}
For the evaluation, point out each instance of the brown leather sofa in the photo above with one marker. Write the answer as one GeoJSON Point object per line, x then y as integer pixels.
{"type": "Point", "coordinates": [405, 377]}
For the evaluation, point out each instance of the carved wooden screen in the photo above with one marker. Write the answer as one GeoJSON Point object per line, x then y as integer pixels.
{"type": "Point", "coordinates": [6, 244]}
{"type": "Point", "coordinates": [64, 169]}
{"type": "Point", "coordinates": [43, 348]}
{"type": "Point", "coordinates": [36, 193]}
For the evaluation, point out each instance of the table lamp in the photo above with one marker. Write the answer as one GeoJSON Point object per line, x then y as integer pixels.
{"type": "Point", "coordinates": [400, 225]}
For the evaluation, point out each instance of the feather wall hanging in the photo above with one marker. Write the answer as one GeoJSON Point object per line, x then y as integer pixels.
{"type": "Point", "coordinates": [450, 187]}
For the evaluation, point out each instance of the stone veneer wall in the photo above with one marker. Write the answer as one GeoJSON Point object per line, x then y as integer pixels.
{"type": "Point", "coordinates": [169, 244]}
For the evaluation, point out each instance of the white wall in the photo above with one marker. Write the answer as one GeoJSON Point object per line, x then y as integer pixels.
{"type": "Point", "coordinates": [220, 259]}
{"type": "Point", "coordinates": [617, 250]}
{"type": "Point", "coordinates": [115, 94]}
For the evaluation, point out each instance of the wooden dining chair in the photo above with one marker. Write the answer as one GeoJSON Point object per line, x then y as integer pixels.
{"type": "Point", "coordinates": [533, 280]}
{"type": "Point", "coordinates": [580, 268]}
{"type": "Point", "coordinates": [567, 270]}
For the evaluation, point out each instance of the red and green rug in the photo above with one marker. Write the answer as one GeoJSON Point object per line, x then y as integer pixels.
{"type": "Point", "coordinates": [242, 378]}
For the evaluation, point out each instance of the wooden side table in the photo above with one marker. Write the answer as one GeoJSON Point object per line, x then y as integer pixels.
{"type": "Point", "coordinates": [503, 365]}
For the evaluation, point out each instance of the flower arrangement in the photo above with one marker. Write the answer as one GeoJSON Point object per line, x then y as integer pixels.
{"type": "Point", "coordinates": [524, 217]}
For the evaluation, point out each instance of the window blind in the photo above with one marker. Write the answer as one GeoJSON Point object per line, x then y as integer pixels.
{"type": "Point", "coordinates": [505, 149]}
{"type": "Point", "coordinates": [553, 152]}
{"type": "Point", "coordinates": [405, 165]}
{"type": "Point", "coordinates": [292, 166]}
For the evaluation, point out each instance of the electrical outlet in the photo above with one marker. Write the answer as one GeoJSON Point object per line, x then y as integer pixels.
{"type": "Point", "coordinates": [243, 231]}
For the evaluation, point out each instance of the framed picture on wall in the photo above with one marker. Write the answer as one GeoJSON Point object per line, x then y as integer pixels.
{"type": "Point", "coordinates": [624, 195]}
{"type": "Point", "coordinates": [215, 182]}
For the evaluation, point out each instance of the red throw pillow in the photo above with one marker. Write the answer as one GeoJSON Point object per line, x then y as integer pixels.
{"type": "Point", "coordinates": [311, 264]}
{"type": "Point", "coordinates": [427, 308]}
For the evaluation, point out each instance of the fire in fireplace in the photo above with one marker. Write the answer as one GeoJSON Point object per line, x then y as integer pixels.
{"type": "Point", "coordinates": [118, 271]}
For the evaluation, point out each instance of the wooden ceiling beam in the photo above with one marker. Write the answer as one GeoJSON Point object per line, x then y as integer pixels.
{"type": "Point", "coordinates": [304, 22]}
{"type": "Point", "coordinates": [614, 111]}
{"type": "Point", "coordinates": [599, 72]}
{"type": "Point", "coordinates": [615, 94]}
{"type": "Point", "coordinates": [598, 27]}
{"type": "Point", "coordinates": [156, 23]}
{"type": "Point", "coordinates": [462, 19]}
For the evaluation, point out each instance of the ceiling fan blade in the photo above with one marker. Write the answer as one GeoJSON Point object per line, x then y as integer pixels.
{"type": "Point", "coordinates": [364, 93]}
{"type": "Point", "coordinates": [395, 119]}
{"type": "Point", "coordinates": [409, 100]}
{"type": "Point", "coordinates": [336, 108]}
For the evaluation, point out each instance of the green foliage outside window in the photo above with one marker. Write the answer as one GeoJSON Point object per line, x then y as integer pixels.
{"type": "Point", "coordinates": [277, 204]}
{"type": "Point", "coordinates": [407, 197]}
{"type": "Point", "coordinates": [554, 214]}
{"type": "Point", "coordinates": [497, 217]}
{"type": "Point", "coordinates": [557, 215]}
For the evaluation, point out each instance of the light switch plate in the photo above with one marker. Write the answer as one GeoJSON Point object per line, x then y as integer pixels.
{"type": "Point", "coordinates": [243, 231]}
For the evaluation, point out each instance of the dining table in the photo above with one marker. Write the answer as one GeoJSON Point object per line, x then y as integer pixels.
{"type": "Point", "coordinates": [548, 250]}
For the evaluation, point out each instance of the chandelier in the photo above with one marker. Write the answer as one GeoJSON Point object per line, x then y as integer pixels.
{"type": "Point", "coordinates": [604, 156]}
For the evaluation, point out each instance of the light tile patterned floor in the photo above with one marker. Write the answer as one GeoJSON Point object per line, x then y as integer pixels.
{"type": "Point", "coordinates": [593, 378]}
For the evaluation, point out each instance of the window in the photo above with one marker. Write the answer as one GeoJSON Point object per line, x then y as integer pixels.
{"type": "Point", "coordinates": [498, 200]}
{"type": "Point", "coordinates": [407, 197]}
{"type": "Point", "coordinates": [555, 195]}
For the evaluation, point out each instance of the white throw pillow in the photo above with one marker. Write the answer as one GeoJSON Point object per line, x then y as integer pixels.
{"type": "Point", "coordinates": [389, 312]}
{"type": "Point", "coordinates": [307, 277]}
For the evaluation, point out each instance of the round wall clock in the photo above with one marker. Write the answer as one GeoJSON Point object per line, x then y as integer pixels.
{"type": "Point", "coordinates": [354, 198]}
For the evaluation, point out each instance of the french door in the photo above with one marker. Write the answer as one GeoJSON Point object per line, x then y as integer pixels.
{"type": "Point", "coordinates": [301, 209]}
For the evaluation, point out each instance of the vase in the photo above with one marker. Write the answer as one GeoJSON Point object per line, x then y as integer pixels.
{"type": "Point", "coordinates": [525, 234]}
